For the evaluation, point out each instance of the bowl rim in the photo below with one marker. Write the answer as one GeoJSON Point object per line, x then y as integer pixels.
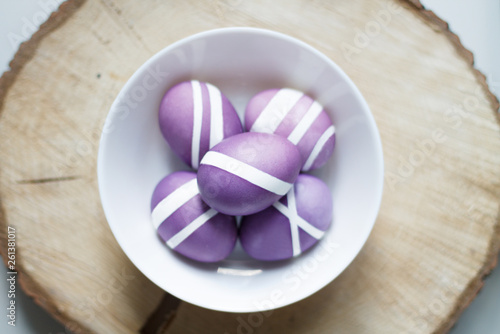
{"type": "Point", "coordinates": [266, 33]}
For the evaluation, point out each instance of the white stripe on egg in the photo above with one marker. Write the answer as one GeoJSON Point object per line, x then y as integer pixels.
{"type": "Point", "coordinates": [216, 116]}
{"type": "Point", "coordinates": [197, 120]}
{"type": "Point", "coordinates": [276, 110]}
{"type": "Point", "coordinates": [296, 222]}
{"type": "Point", "coordinates": [294, 228]}
{"type": "Point", "coordinates": [318, 147]}
{"type": "Point", "coordinates": [190, 228]}
{"type": "Point", "coordinates": [174, 201]}
{"type": "Point", "coordinates": [249, 173]}
{"type": "Point", "coordinates": [305, 123]}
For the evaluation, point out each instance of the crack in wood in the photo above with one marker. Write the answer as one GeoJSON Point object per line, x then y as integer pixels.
{"type": "Point", "coordinates": [49, 180]}
{"type": "Point", "coordinates": [163, 316]}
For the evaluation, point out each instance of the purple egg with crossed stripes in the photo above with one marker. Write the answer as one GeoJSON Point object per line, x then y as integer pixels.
{"type": "Point", "coordinates": [194, 116]}
{"type": "Point", "coordinates": [188, 225]}
{"type": "Point", "coordinates": [291, 225]}
{"type": "Point", "coordinates": [248, 172]}
{"type": "Point", "coordinates": [293, 115]}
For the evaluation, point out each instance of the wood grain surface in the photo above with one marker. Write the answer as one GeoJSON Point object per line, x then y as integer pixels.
{"type": "Point", "coordinates": [437, 234]}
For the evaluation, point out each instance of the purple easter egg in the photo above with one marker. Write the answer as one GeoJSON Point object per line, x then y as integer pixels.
{"type": "Point", "coordinates": [194, 116]}
{"type": "Point", "coordinates": [293, 115]}
{"type": "Point", "coordinates": [292, 225]}
{"type": "Point", "coordinates": [187, 224]}
{"type": "Point", "coordinates": [248, 172]}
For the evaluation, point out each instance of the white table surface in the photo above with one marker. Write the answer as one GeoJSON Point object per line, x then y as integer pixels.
{"type": "Point", "coordinates": [476, 22]}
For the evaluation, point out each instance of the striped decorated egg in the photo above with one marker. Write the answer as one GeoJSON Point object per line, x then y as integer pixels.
{"type": "Point", "coordinates": [292, 225]}
{"type": "Point", "coordinates": [194, 116]}
{"type": "Point", "coordinates": [294, 115]}
{"type": "Point", "coordinates": [248, 172]}
{"type": "Point", "coordinates": [187, 224]}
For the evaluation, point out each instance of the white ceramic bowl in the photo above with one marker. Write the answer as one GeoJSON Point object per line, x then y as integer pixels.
{"type": "Point", "coordinates": [133, 157]}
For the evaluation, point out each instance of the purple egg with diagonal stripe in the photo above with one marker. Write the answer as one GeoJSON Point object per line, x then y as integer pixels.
{"type": "Point", "coordinates": [248, 172]}
{"type": "Point", "coordinates": [194, 116]}
{"type": "Point", "coordinates": [291, 225]}
{"type": "Point", "coordinates": [296, 116]}
{"type": "Point", "coordinates": [188, 225]}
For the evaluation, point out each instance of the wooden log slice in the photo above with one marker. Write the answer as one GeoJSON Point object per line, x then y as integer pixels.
{"type": "Point", "coordinates": [437, 234]}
